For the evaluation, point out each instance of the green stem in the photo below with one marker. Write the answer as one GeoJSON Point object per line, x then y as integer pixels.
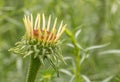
{"type": "Point", "coordinates": [78, 76]}
{"type": "Point", "coordinates": [33, 69]}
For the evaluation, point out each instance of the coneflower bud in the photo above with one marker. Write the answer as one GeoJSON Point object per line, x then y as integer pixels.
{"type": "Point", "coordinates": [41, 41]}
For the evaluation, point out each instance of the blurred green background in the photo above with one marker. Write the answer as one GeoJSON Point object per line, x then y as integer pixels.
{"type": "Point", "coordinates": [99, 21]}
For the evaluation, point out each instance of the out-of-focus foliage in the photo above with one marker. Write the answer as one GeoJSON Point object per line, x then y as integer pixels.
{"type": "Point", "coordinates": [99, 21]}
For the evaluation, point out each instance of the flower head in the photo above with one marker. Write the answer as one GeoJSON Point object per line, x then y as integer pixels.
{"type": "Point", "coordinates": [41, 39]}
{"type": "Point", "coordinates": [43, 33]}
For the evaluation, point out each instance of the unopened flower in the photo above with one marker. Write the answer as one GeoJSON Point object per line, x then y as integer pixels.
{"type": "Point", "coordinates": [41, 39]}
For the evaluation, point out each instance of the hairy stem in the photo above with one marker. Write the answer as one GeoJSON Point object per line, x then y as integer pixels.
{"type": "Point", "coordinates": [33, 69]}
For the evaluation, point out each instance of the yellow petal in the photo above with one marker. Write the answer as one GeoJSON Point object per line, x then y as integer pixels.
{"type": "Point", "coordinates": [31, 20]}
{"type": "Point", "coordinates": [58, 36]}
{"type": "Point", "coordinates": [38, 26]}
{"type": "Point", "coordinates": [30, 27]}
{"type": "Point", "coordinates": [26, 26]}
{"type": "Point", "coordinates": [36, 23]}
{"type": "Point", "coordinates": [48, 25]}
{"type": "Point", "coordinates": [43, 16]}
{"type": "Point", "coordinates": [60, 28]}
{"type": "Point", "coordinates": [54, 24]}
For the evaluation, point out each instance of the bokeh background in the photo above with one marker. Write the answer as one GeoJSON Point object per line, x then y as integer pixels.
{"type": "Point", "coordinates": [99, 21]}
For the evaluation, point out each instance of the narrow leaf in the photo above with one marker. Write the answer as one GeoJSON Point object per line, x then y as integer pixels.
{"type": "Point", "coordinates": [77, 33]}
{"type": "Point", "coordinates": [97, 46]}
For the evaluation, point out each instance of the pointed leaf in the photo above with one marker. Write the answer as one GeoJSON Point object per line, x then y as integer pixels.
{"type": "Point", "coordinates": [97, 46]}
{"type": "Point", "coordinates": [66, 72]}
{"type": "Point", "coordinates": [86, 78]}
{"type": "Point", "coordinates": [77, 33]}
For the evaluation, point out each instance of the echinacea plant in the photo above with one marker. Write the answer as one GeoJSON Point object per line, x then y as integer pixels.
{"type": "Point", "coordinates": [41, 42]}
